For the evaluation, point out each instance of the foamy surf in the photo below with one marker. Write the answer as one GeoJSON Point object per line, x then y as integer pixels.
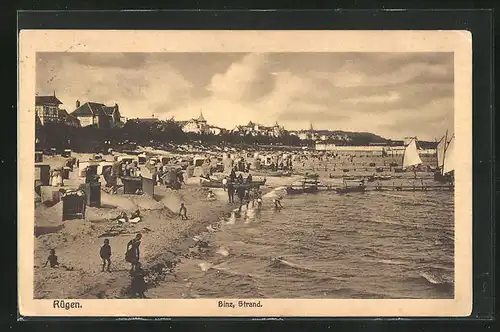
{"type": "Point", "coordinates": [434, 279]}
{"type": "Point", "coordinates": [391, 195]}
{"type": "Point", "coordinates": [278, 261]}
{"type": "Point", "coordinates": [205, 266]}
{"type": "Point", "coordinates": [392, 262]}
{"type": "Point", "coordinates": [222, 251]}
{"type": "Point", "coordinates": [274, 193]}
{"type": "Point", "coordinates": [251, 213]}
{"type": "Point", "coordinates": [222, 268]}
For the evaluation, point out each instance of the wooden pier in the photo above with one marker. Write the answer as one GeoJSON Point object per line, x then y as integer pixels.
{"type": "Point", "coordinates": [411, 187]}
{"type": "Point", "coordinates": [395, 187]}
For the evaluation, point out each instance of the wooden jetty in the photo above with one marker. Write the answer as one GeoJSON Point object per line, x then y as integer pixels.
{"type": "Point", "coordinates": [410, 187]}
{"type": "Point", "coordinates": [364, 188]}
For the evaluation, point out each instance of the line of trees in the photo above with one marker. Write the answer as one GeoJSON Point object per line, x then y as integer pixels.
{"type": "Point", "coordinates": [92, 139]}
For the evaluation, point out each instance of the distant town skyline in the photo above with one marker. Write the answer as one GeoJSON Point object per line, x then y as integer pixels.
{"type": "Point", "coordinates": [389, 94]}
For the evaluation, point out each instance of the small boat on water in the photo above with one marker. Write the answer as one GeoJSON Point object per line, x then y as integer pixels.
{"type": "Point", "coordinates": [273, 173]}
{"type": "Point", "coordinates": [445, 167]}
{"type": "Point", "coordinates": [306, 186]}
{"type": "Point", "coordinates": [373, 178]}
{"type": "Point", "coordinates": [354, 187]}
{"type": "Point", "coordinates": [411, 157]}
{"type": "Point", "coordinates": [297, 190]}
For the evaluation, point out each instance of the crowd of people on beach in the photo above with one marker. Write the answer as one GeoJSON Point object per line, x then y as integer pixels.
{"type": "Point", "coordinates": [244, 188]}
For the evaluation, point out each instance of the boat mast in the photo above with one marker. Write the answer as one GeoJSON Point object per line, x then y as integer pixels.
{"type": "Point", "coordinates": [414, 166]}
{"type": "Point", "coordinates": [444, 150]}
{"type": "Point", "coordinates": [437, 151]}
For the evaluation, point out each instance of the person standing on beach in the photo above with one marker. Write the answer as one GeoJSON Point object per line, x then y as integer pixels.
{"type": "Point", "coordinates": [224, 183]}
{"type": "Point", "coordinates": [132, 254]}
{"type": "Point", "coordinates": [230, 191]}
{"type": "Point", "coordinates": [105, 254]}
{"type": "Point", "coordinates": [232, 176]}
{"type": "Point", "coordinates": [259, 200]}
{"type": "Point", "coordinates": [241, 196]}
{"type": "Point", "coordinates": [183, 212]}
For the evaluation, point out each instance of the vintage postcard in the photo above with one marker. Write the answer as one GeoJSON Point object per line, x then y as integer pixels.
{"type": "Point", "coordinates": [245, 173]}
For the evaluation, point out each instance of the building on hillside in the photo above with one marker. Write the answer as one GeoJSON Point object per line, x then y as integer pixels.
{"type": "Point", "coordinates": [324, 137]}
{"type": "Point", "coordinates": [47, 108]}
{"type": "Point", "coordinates": [256, 129]}
{"type": "Point", "coordinates": [321, 146]}
{"type": "Point", "coordinates": [215, 130]}
{"type": "Point", "coordinates": [68, 119]}
{"type": "Point", "coordinates": [97, 114]}
{"type": "Point", "coordinates": [304, 135]}
{"type": "Point", "coordinates": [150, 120]}
{"type": "Point", "coordinates": [197, 126]}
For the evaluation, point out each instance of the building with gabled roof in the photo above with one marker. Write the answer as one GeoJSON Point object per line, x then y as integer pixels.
{"type": "Point", "coordinates": [97, 114]}
{"type": "Point", "coordinates": [198, 125]}
{"type": "Point", "coordinates": [47, 108]}
{"type": "Point", "coordinates": [68, 119]}
{"type": "Point", "coordinates": [256, 129]}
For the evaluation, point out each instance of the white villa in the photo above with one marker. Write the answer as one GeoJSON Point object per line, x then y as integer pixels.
{"type": "Point", "coordinates": [198, 126]}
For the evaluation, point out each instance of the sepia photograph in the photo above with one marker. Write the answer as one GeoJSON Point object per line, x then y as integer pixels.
{"type": "Point", "coordinates": [243, 176]}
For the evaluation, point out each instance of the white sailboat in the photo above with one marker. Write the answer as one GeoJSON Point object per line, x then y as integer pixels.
{"type": "Point", "coordinates": [445, 153]}
{"type": "Point", "coordinates": [449, 157]}
{"type": "Point", "coordinates": [441, 147]}
{"type": "Point", "coordinates": [411, 156]}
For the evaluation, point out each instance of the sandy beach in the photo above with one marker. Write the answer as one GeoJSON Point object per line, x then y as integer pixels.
{"type": "Point", "coordinates": [167, 239]}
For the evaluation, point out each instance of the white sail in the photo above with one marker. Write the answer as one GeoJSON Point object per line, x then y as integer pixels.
{"type": "Point", "coordinates": [411, 157]}
{"type": "Point", "coordinates": [449, 157]}
{"type": "Point", "coordinates": [440, 152]}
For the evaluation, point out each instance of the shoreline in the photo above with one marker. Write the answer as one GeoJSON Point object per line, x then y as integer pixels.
{"type": "Point", "coordinates": [167, 241]}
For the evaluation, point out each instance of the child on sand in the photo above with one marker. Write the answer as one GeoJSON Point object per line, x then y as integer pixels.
{"type": "Point", "coordinates": [135, 217]}
{"type": "Point", "coordinates": [211, 195]}
{"type": "Point", "coordinates": [52, 259]}
{"type": "Point", "coordinates": [183, 212]}
{"type": "Point", "coordinates": [105, 254]}
{"type": "Point", "coordinates": [277, 203]}
{"type": "Point", "coordinates": [122, 217]}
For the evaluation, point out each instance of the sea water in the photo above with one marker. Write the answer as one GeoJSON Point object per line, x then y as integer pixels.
{"type": "Point", "coordinates": [359, 245]}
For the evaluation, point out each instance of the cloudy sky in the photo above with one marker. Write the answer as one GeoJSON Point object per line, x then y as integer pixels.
{"type": "Point", "coordinates": [389, 94]}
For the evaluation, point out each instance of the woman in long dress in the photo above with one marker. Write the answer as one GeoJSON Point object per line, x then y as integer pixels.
{"type": "Point", "coordinates": [132, 254]}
